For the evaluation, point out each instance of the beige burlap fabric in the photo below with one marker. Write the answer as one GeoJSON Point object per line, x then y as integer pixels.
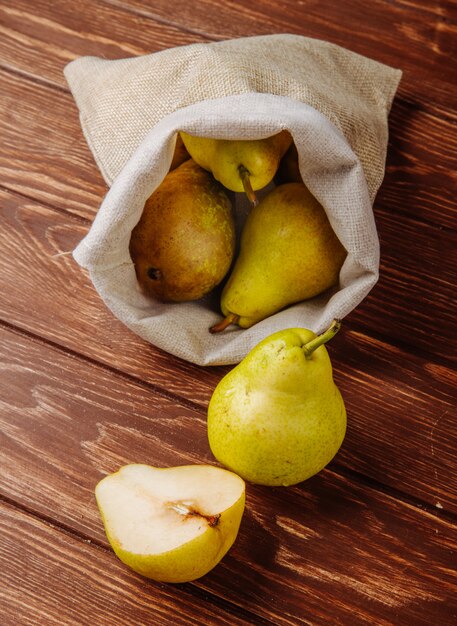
{"type": "Point", "coordinates": [334, 102]}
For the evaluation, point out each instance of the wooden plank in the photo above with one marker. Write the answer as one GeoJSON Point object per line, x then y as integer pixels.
{"type": "Point", "coordinates": [71, 419]}
{"type": "Point", "coordinates": [401, 418]}
{"type": "Point", "coordinates": [379, 381]}
{"type": "Point", "coordinates": [412, 294]}
{"type": "Point", "coordinates": [43, 151]}
{"type": "Point", "coordinates": [39, 38]}
{"type": "Point", "coordinates": [421, 170]}
{"type": "Point", "coordinates": [51, 577]}
{"type": "Point", "coordinates": [51, 161]}
{"type": "Point", "coordinates": [329, 549]}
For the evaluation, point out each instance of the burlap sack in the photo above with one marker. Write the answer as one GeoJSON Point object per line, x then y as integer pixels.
{"type": "Point", "coordinates": [334, 102]}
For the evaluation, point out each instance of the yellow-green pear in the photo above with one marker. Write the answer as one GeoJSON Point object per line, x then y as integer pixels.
{"type": "Point", "coordinates": [240, 165]}
{"type": "Point", "coordinates": [171, 524]}
{"type": "Point", "coordinates": [288, 253]}
{"type": "Point", "coordinates": [278, 418]}
{"type": "Point", "coordinates": [184, 243]}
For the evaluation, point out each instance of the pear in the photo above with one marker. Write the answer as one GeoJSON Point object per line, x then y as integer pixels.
{"type": "Point", "coordinates": [288, 253]}
{"type": "Point", "coordinates": [278, 418]}
{"type": "Point", "coordinates": [184, 243]}
{"type": "Point", "coordinates": [171, 524]}
{"type": "Point", "coordinates": [240, 165]}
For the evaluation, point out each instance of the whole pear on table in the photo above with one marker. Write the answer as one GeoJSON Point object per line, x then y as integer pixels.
{"type": "Point", "coordinates": [171, 524]}
{"type": "Point", "coordinates": [184, 243]}
{"type": "Point", "coordinates": [240, 165]}
{"type": "Point", "coordinates": [278, 418]}
{"type": "Point", "coordinates": [288, 253]}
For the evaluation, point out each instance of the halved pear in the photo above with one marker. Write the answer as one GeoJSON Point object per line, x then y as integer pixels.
{"type": "Point", "coordinates": [171, 524]}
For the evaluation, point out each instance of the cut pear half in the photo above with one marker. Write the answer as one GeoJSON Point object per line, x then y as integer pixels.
{"type": "Point", "coordinates": [171, 524]}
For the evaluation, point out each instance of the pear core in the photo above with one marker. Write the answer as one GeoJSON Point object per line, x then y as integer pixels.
{"type": "Point", "coordinates": [152, 510]}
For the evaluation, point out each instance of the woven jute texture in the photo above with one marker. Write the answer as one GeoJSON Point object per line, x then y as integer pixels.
{"type": "Point", "coordinates": [334, 102]}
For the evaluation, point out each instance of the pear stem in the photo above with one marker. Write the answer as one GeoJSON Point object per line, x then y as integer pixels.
{"type": "Point", "coordinates": [229, 319]}
{"type": "Point", "coordinates": [246, 180]}
{"type": "Point", "coordinates": [312, 345]}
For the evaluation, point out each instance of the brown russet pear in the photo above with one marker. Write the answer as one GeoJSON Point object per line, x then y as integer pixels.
{"type": "Point", "coordinates": [240, 165]}
{"type": "Point", "coordinates": [288, 253]}
{"type": "Point", "coordinates": [184, 243]}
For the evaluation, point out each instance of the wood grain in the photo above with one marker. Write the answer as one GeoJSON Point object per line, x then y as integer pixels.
{"type": "Point", "coordinates": [40, 38]}
{"type": "Point", "coordinates": [400, 408]}
{"type": "Point", "coordinates": [411, 294]}
{"type": "Point", "coordinates": [330, 544]}
{"type": "Point", "coordinates": [43, 153]}
{"type": "Point", "coordinates": [421, 170]}
{"type": "Point", "coordinates": [83, 580]}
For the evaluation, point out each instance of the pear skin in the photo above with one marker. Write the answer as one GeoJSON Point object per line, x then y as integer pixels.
{"type": "Point", "coordinates": [278, 418]}
{"type": "Point", "coordinates": [171, 524]}
{"type": "Point", "coordinates": [227, 160]}
{"type": "Point", "coordinates": [184, 243]}
{"type": "Point", "coordinates": [288, 253]}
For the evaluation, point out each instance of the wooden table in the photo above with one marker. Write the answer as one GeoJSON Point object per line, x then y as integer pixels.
{"type": "Point", "coordinates": [369, 540]}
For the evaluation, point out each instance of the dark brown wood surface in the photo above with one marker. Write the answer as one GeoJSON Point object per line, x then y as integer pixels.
{"type": "Point", "coordinates": [372, 538]}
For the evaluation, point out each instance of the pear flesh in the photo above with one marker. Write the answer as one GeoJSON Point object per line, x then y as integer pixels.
{"type": "Point", "coordinates": [228, 159]}
{"type": "Point", "coordinates": [278, 418]}
{"type": "Point", "coordinates": [171, 524]}
{"type": "Point", "coordinates": [184, 243]}
{"type": "Point", "coordinates": [288, 253]}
